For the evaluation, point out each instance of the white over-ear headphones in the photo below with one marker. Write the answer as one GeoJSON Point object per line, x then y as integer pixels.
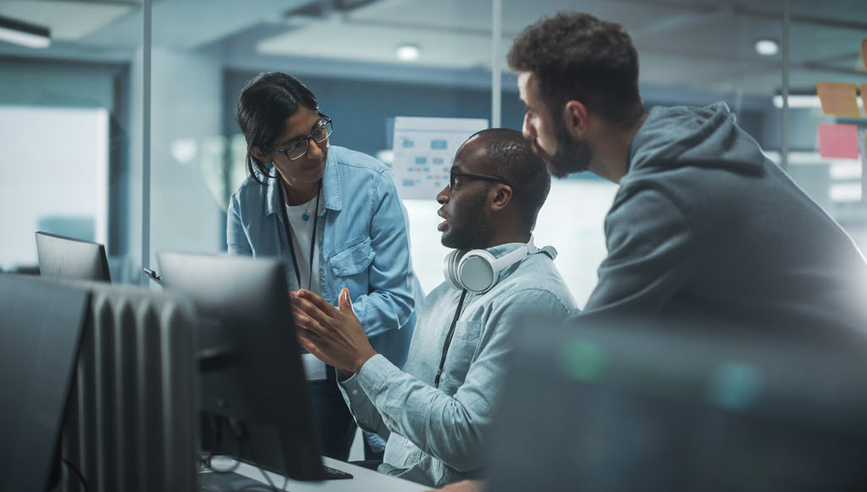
{"type": "Point", "coordinates": [477, 270]}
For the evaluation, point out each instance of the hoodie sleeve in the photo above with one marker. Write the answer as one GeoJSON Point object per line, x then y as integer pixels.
{"type": "Point", "coordinates": [651, 248]}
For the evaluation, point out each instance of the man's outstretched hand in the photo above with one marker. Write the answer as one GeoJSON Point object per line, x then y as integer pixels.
{"type": "Point", "coordinates": [334, 336]}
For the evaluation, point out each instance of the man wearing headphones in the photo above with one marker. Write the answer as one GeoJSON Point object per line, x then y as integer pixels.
{"type": "Point", "coordinates": [436, 412]}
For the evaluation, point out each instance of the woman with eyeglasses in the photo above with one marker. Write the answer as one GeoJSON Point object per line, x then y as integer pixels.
{"type": "Point", "coordinates": [334, 216]}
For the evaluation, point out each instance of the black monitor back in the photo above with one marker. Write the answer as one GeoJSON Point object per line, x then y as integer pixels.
{"type": "Point", "coordinates": [633, 405]}
{"type": "Point", "coordinates": [40, 331]}
{"type": "Point", "coordinates": [251, 365]}
{"type": "Point", "coordinates": [70, 258]}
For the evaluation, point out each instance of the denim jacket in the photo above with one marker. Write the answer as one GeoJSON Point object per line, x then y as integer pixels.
{"type": "Point", "coordinates": [363, 237]}
{"type": "Point", "coordinates": [436, 436]}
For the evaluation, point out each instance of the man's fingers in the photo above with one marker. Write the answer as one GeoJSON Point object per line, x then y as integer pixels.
{"type": "Point", "coordinates": [304, 339]}
{"type": "Point", "coordinates": [344, 302]}
{"type": "Point", "coordinates": [319, 302]}
{"type": "Point", "coordinates": [308, 309]}
{"type": "Point", "coordinates": [306, 322]}
{"type": "Point", "coordinates": [309, 335]}
{"type": "Point", "coordinates": [308, 345]}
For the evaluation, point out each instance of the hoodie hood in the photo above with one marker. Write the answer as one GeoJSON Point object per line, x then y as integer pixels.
{"type": "Point", "coordinates": [682, 136]}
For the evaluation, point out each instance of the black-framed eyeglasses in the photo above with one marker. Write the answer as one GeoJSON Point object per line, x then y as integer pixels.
{"type": "Point", "coordinates": [455, 177]}
{"type": "Point", "coordinates": [319, 134]}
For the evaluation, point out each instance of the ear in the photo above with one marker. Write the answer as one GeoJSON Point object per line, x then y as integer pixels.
{"type": "Point", "coordinates": [258, 154]}
{"type": "Point", "coordinates": [576, 117]}
{"type": "Point", "coordinates": [500, 196]}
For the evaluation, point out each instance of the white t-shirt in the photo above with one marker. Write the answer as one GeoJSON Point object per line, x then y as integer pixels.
{"type": "Point", "coordinates": [302, 235]}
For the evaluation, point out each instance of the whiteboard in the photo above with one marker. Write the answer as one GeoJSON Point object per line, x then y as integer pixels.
{"type": "Point", "coordinates": [424, 149]}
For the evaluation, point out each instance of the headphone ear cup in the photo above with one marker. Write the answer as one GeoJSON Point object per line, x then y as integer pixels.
{"type": "Point", "coordinates": [450, 267]}
{"type": "Point", "coordinates": [476, 271]}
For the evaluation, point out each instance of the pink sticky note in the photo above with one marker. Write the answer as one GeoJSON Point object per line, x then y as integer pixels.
{"type": "Point", "coordinates": [838, 141]}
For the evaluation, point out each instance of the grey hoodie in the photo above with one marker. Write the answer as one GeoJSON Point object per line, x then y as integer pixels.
{"type": "Point", "coordinates": [704, 225]}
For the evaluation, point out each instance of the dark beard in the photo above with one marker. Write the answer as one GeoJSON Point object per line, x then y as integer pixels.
{"type": "Point", "coordinates": [473, 230]}
{"type": "Point", "coordinates": [572, 156]}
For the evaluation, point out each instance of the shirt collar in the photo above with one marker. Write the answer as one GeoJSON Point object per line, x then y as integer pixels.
{"type": "Point", "coordinates": [502, 250]}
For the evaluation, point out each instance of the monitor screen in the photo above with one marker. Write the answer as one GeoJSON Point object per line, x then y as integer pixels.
{"type": "Point", "coordinates": [40, 330]}
{"type": "Point", "coordinates": [70, 258]}
{"type": "Point", "coordinates": [253, 382]}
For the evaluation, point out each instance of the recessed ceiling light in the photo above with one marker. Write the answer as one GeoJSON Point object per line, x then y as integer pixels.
{"type": "Point", "coordinates": [408, 52]}
{"type": "Point", "coordinates": [23, 33]}
{"type": "Point", "coordinates": [767, 47]}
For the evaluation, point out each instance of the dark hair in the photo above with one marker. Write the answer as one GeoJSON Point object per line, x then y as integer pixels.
{"type": "Point", "coordinates": [512, 158]}
{"type": "Point", "coordinates": [576, 56]}
{"type": "Point", "coordinates": [263, 107]}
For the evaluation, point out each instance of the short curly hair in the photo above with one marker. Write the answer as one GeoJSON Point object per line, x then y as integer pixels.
{"type": "Point", "coordinates": [576, 56]}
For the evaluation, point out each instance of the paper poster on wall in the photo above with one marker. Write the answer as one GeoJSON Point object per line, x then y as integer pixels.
{"type": "Point", "coordinates": [838, 141]}
{"type": "Point", "coordinates": [423, 152]}
{"type": "Point", "coordinates": [838, 99]}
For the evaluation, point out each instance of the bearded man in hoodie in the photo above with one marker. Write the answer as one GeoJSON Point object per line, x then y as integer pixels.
{"type": "Point", "coordinates": [703, 226]}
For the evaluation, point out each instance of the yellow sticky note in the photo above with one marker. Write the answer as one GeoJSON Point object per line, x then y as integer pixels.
{"type": "Point", "coordinates": [838, 99]}
{"type": "Point", "coordinates": [864, 55]}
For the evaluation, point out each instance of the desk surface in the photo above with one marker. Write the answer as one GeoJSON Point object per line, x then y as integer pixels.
{"type": "Point", "coordinates": [363, 479]}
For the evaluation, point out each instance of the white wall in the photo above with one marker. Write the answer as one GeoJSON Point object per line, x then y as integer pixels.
{"type": "Point", "coordinates": [572, 221]}
{"type": "Point", "coordinates": [54, 164]}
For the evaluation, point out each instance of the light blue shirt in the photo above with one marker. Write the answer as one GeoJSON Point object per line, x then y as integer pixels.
{"type": "Point", "coordinates": [437, 435]}
{"type": "Point", "coordinates": [363, 238]}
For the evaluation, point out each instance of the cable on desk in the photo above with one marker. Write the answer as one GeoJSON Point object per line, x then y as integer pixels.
{"type": "Point", "coordinates": [268, 479]}
{"type": "Point", "coordinates": [77, 472]}
{"type": "Point", "coordinates": [238, 433]}
{"type": "Point", "coordinates": [217, 425]}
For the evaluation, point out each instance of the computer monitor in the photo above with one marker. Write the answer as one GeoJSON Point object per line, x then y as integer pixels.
{"type": "Point", "coordinates": [70, 258]}
{"type": "Point", "coordinates": [637, 405]}
{"type": "Point", "coordinates": [40, 331]}
{"type": "Point", "coordinates": [252, 376]}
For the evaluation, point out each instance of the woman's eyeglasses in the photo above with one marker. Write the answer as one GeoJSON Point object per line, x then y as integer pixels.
{"type": "Point", "coordinates": [319, 135]}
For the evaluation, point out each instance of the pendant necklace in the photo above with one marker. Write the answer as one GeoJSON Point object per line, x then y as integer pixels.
{"type": "Point", "coordinates": [306, 216]}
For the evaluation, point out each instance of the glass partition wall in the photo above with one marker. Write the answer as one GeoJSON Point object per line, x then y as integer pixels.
{"type": "Point", "coordinates": [71, 128]}
{"type": "Point", "coordinates": [122, 130]}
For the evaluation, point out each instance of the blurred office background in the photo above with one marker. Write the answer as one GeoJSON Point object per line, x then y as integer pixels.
{"type": "Point", "coordinates": [121, 129]}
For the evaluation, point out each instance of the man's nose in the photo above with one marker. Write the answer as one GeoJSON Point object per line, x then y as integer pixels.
{"type": "Point", "coordinates": [443, 195]}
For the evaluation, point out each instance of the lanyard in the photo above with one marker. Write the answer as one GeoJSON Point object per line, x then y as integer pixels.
{"type": "Point", "coordinates": [449, 339]}
{"type": "Point", "coordinates": [289, 234]}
